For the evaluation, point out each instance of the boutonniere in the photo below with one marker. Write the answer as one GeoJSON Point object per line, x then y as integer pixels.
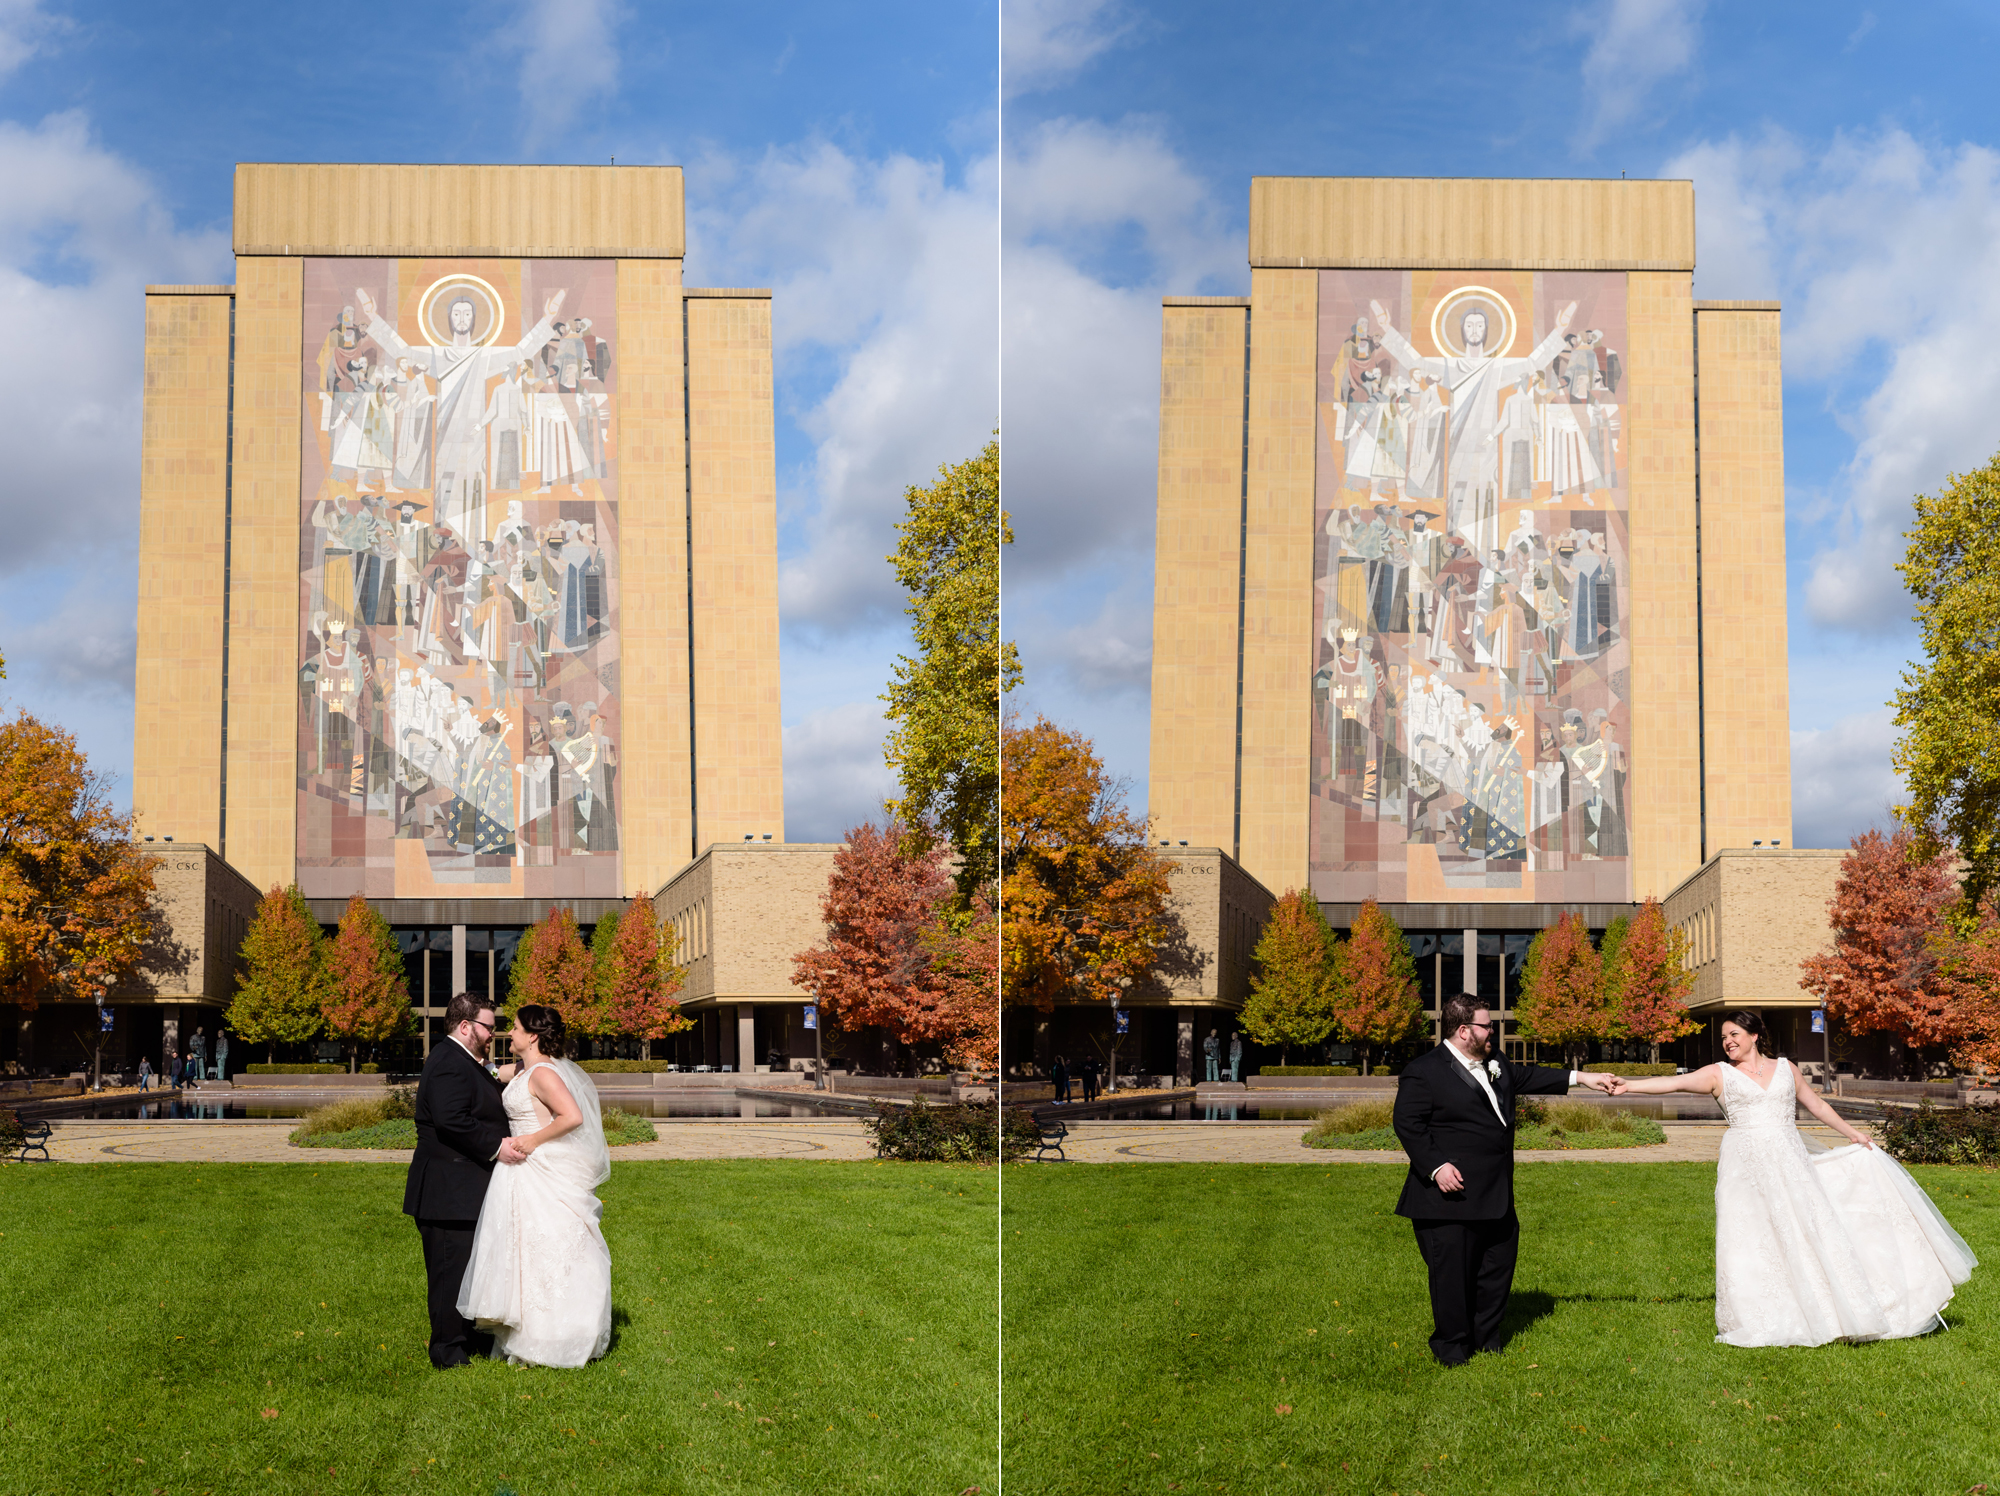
{"type": "Point", "coordinates": [1493, 1069]}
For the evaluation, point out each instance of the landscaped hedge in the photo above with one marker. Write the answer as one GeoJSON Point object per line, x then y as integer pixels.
{"type": "Point", "coordinates": [957, 1133]}
{"type": "Point", "coordinates": [622, 1067]}
{"type": "Point", "coordinates": [298, 1069]}
{"type": "Point", "coordinates": [1631, 1070]}
{"type": "Point", "coordinates": [1307, 1070]}
{"type": "Point", "coordinates": [1932, 1135]}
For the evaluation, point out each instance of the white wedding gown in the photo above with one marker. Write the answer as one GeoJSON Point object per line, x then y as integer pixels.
{"type": "Point", "coordinates": [1812, 1247]}
{"type": "Point", "coordinates": [540, 1274]}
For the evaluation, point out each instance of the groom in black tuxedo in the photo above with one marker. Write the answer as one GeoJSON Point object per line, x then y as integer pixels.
{"type": "Point", "coordinates": [461, 1133]}
{"type": "Point", "coordinates": [1455, 1118]}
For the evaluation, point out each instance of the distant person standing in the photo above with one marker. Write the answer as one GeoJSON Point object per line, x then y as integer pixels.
{"type": "Point", "coordinates": [174, 1069]}
{"type": "Point", "coordinates": [1059, 1073]}
{"type": "Point", "coordinates": [145, 1073]}
{"type": "Point", "coordinates": [1090, 1069]}
{"type": "Point", "coordinates": [1235, 1056]}
{"type": "Point", "coordinates": [1211, 1047]}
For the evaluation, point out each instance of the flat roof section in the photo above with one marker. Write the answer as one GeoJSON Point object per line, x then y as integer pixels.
{"type": "Point", "coordinates": [1471, 223]}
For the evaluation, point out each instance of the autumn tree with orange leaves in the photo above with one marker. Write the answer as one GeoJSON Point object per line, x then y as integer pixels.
{"type": "Point", "coordinates": [1648, 980]}
{"type": "Point", "coordinates": [892, 958]}
{"type": "Point", "coordinates": [552, 968]}
{"type": "Point", "coordinates": [1562, 1000]}
{"type": "Point", "coordinates": [641, 977]}
{"type": "Point", "coordinates": [366, 998]}
{"type": "Point", "coordinates": [1375, 998]}
{"type": "Point", "coordinates": [1888, 915]}
{"type": "Point", "coordinates": [1085, 904]}
{"type": "Point", "coordinates": [76, 895]}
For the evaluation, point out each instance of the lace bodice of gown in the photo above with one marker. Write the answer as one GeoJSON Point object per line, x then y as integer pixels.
{"type": "Point", "coordinates": [520, 1103]}
{"type": "Point", "coordinates": [1746, 1104]}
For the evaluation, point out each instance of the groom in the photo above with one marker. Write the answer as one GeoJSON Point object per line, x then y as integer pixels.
{"type": "Point", "coordinates": [1455, 1118]}
{"type": "Point", "coordinates": [461, 1132]}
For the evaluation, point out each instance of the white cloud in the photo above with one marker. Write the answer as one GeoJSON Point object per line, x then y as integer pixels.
{"type": "Point", "coordinates": [1046, 42]}
{"type": "Point", "coordinates": [834, 774]}
{"type": "Point", "coordinates": [890, 270]}
{"type": "Point", "coordinates": [84, 233]}
{"type": "Point", "coordinates": [25, 29]}
{"type": "Point", "coordinates": [1634, 45]}
{"type": "Point", "coordinates": [569, 56]}
{"type": "Point", "coordinates": [1081, 330]}
{"type": "Point", "coordinates": [1842, 780]}
{"type": "Point", "coordinates": [1887, 254]}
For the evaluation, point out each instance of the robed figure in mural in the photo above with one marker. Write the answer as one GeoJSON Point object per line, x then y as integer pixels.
{"type": "Point", "coordinates": [460, 371]}
{"type": "Point", "coordinates": [1476, 380]}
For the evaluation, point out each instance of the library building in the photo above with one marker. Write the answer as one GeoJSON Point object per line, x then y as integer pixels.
{"type": "Point", "coordinates": [458, 590]}
{"type": "Point", "coordinates": [1469, 598]}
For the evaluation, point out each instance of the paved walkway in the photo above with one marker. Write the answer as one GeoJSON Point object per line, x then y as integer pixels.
{"type": "Point", "coordinates": [92, 1142]}
{"type": "Point", "coordinates": [1278, 1142]}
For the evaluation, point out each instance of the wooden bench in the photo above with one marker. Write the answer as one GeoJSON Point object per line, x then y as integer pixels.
{"type": "Point", "coordinates": [1051, 1140]}
{"type": "Point", "coordinates": [34, 1139]}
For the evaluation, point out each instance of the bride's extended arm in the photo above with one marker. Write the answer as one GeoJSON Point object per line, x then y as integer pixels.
{"type": "Point", "coordinates": [1813, 1102]}
{"type": "Point", "coordinates": [564, 1115]}
{"type": "Point", "coordinates": [1707, 1081]}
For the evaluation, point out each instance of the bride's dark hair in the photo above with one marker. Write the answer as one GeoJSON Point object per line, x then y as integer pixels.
{"type": "Point", "coordinates": [1752, 1023]}
{"type": "Point", "coordinates": [546, 1024]}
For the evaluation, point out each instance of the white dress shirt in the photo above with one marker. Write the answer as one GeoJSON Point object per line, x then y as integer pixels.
{"type": "Point", "coordinates": [1477, 1069]}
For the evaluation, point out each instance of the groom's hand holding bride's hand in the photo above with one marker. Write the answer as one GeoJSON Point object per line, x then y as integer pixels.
{"type": "Point", "coordinates": [512, 1152]}
{"type": "Point", "coordinates": [1610, 1085]}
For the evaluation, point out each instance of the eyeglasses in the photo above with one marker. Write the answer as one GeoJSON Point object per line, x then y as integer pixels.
{"type": "Point", "coordinates": [480, 1023]}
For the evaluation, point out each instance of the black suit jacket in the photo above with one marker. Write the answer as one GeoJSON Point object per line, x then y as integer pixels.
{"type": "Point", "coordinates": [1442, 1117]}
{"type": "Point", "coordinates": [460, 1126]}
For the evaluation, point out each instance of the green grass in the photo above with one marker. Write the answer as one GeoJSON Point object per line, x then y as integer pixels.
{"type": "Point", "coordinates": [1567, 1125]}
{"type": "Point", "coordinates": [1171, 1310]}
{"type": "Point", "coordinates": [153, 1312]}
{"type": "Point", "coordinates": [620, 1127]}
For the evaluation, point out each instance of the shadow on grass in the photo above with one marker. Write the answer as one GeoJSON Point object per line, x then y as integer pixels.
{"type": "Point", "coordinates": [1530, 1306]}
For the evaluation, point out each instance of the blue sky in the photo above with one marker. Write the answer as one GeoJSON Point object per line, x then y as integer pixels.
{"type": "Point", "coordinates": [1845, 163]}
{"type": "Point", "coordinates": [841, 154]}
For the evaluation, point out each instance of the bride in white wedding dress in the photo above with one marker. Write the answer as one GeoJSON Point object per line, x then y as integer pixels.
{"type": "Point", "coordinates": [540, 1274]}
{"type": "Point", "coordinates": [1810, 1247]}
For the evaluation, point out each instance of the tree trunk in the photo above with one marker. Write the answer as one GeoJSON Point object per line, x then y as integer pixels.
{"type": "Point", "coordinates": [1367, 1051]}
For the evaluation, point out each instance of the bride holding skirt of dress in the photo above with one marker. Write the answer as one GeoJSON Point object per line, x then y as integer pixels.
{"type": "Point", "coordinates": [540, 1274]}
{"type": "Point", "coordinates": [1810, 1247]}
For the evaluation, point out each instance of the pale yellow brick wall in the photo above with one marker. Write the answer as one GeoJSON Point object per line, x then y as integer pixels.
{"type": "Point", "coordinates": [206, 907]}
{"type": "Point", "coordinates": [1752, 915]}
{"type": "Point", "coordinates": [733, 484]}
{"type": "Point", "coordinates": [1746, 704]}
{"type": "Point", "coordinates": [1277, 616]}
{"type": "Point", "coordinates": [183, 444]}
{"type": "Point", "coordinates": [261, 837]}
{"type": "Point", "coordinates": [1665, 786]}
{"type": "Point", "coordinates": [1196, 572]}
{"type": "Point", "coordinates": [753, 909]}
{"type": "Point", "coordinates": [656, 753]}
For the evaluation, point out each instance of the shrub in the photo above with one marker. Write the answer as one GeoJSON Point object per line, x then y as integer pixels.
{"type": "Point", "coordinates": [1341, 1123]}
{"type": "Point", "coordinates": [1932, 1135]}
{"type": "Point", "coordinates": [1307, 1070]}
{"type": "Point", "coordinates": [300, 1069]}
{"type": "Point", "coordinates": [1570, 1124]}
{"type": "Point", "coordinates": [622, 1127]}
{"type": "Point", "coordinates": [12, 1134]}
{"type": "Point", "coordinates": [1633, 1069]}
{"type": "Point", "coordinates": [386, 1122]}
{"type": "Point", "coordinates": [956, 1133]}
{"type": "Point", "coordinates": [622, 1067]}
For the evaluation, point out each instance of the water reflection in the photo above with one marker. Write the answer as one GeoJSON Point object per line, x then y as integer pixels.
{"type": "Point", "coordinates": [666, 1108]}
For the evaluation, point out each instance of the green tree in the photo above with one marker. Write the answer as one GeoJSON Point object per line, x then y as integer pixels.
{"type": "Point", "coordinates": [1610, 962]}
{"type": "Point", "coordinates": [1949, 706]}
{"type": "Point", "coordinates": [1648, 976]}
{"type": "Point", "coordinates": [284, 983]}
{"type": "Point", "coordinates": [1375, 999]}
{"type": "Point", "coordinates": [945, 700]}
{"type": "Point", "coordinates": [1562, 994]}
{"type": "Point", "coordinates": [367, 998]}
{"type": "Point", "coordinates": [1293, 990]}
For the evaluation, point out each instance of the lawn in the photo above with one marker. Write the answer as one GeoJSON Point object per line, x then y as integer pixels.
{"type": "Point", "coordinates": [1261, 1328]}
{"type": "Point", "coordinates": [780, 1327]}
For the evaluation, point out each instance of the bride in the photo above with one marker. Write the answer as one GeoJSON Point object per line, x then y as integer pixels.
{"type": "Point", "coordinates": [1840, 1244]}
{"type": "Point", "coordinates": [540, 1275]}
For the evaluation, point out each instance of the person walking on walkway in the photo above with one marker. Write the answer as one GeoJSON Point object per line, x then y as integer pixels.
{"type": "Point", "coordinates": [174, 1070]}
{"type": "Point", "coordinates": [145, 1073]}
{"type": "Point", "coordinates": [1059, 1073]}
{"type": "Point", "coordinates": [1090, 1069]}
